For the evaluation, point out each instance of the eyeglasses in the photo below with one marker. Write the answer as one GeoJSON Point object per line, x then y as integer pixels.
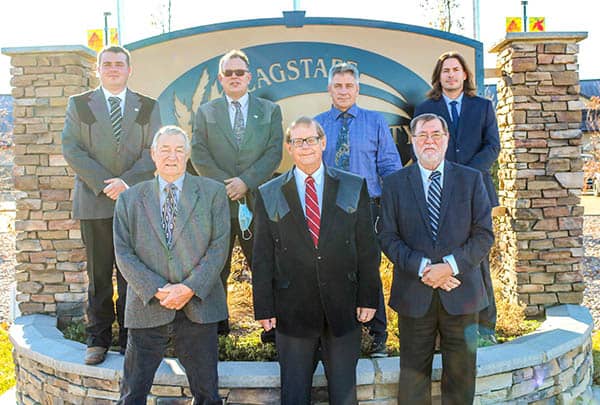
{"type": "Point", "coordinates": [237, 72]}
{"type": "Point", "coordinates": [310, 141]}
{"type": "Point", "coordinates": [435, 137]}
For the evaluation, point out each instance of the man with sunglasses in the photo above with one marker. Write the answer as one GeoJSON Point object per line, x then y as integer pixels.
{"type": "Point", "coordinates": [315, 267]}
{"type": "Point", "coordinates": [237, 140]}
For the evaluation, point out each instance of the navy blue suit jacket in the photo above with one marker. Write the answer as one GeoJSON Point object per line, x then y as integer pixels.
{"type": "Point", "coordinates": [465, 231]}
{"type": "Point", "coordinates": [476, 142]}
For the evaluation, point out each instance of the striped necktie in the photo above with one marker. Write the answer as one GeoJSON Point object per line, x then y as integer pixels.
{"type": "Point", "coordinates": [238, 122]}
{"type": "Point", "coordinates": [313, 217]}
{"type": "Point", "coordinates": [115, 116]}
{"type": "Point", "coordinates": [434, 199]}
{"type": "Point", "coordinates": [169, 212]}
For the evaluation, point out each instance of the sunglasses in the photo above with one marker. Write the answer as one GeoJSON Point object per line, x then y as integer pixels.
{"type": "Point", "coordinates": [237, 72]}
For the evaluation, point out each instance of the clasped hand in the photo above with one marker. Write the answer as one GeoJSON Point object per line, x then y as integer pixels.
{"type": "Point", "coordinates": [174, 296]}
{"type": "Point", "coordinates": [115, 187]}
{"type": "Point", "coordinates": [440, 276]}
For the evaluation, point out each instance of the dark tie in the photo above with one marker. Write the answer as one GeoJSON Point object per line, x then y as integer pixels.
{"type": "Point", "coordinates": [454, 111]}
{"type": "Point", "coordinates": [434, 199]}
{"type": "Point", "coordinates": [169, 212]}
{"type": "Point", "coordinates": [238, 122]}
{"type": "Point", "coordinates": [313, 218]}
{"type": "Point", "coordinates": [115, 116]}
{"type": "Point", "coordinates": [342, 147]}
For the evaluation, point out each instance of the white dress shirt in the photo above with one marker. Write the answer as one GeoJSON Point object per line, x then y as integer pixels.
{"type": "Point", "coordinates": [121, 96]}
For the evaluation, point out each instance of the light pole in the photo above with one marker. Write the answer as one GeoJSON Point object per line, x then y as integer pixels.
{"type": "Point", "coordinates": [524, 3]}
{"type": "Point", "coordinates": [106, 39]}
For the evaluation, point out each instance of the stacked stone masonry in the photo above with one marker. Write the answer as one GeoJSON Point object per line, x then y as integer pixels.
{"type": "Point", "coordinates": [540, 170]}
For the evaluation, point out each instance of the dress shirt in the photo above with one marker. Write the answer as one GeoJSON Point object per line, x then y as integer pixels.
{"type": "Point", "coordinates": [458, 100]}
{"type": "Point", "coordinates": [300, 178]}
{"type": "Point", "coordinates": [231, 109]}
{"type": "Point", "coordinates": [162, 183]}
{"type": "Point", "coordinates": [121, 95]}
{"type": "Point", "coordinates": [373, 153]}
{"type": "Point", "coordinates": [426, 182]}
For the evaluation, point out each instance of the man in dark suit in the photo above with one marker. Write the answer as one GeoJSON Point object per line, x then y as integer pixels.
{"type": "Point", "coordinates": [171, 238]}
{"type": "Point", "coordinates": [436, 230]}
{"type": "Point", "coordinates": [238, 141]}
{"type": "Point", "coordinates": [474, 142]}
{"type": "Point", "coordinates": [106, 141]}
{"type": "Point", "coordinates": [315, 271]}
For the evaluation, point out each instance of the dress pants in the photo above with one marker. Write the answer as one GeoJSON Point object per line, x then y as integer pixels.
{"type": "Point", "coordinates": [487, 316]}
{"type": "Point", "coordinates": [246, 248]}
{"type": "Point", "coordinates": [378, 325]}
{"type": "Point", "coordinates": [297, 363]}
{"type": "Point", "coordinates": [97, 235]}
{"type": "Point", "coordinates": [196, 348]}
{"type": "Point", "coordinates": [458, 344]}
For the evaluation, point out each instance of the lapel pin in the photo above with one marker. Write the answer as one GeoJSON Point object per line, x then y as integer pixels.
{"type": "Point", "coordinates": [256, 116]}
{"type": "Point", "coordinates": [136, 109]}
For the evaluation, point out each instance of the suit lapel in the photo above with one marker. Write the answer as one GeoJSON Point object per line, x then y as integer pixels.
{"type": "Point", "coordinates": [224, 122]}
{"type": "Point", "coordinates": [255, 115]}
{"type": "Point", "coordinates": [185, 206]}
{"type": "Point", "coordinates": [151, 201]}
{"type": "Point", "coordinates": [100, 110]}
{"type": "Point", "coordinates": [466, 109]}
{"type": "Point", "coordinates": [291, 195]}
{"type": "Point", "coordinates": [447, 187]}
{"type": "Point", "coordinates": [330, 190]}
{"type": "Point", "coordinates": [132, 109]}
{"type": "Point", "coordinates": [416, 184]}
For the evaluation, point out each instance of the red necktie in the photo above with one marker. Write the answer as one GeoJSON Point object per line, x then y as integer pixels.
{"type": "Point", "coordinates": [313, 218]}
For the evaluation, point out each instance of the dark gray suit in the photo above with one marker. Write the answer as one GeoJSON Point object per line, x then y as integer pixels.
{"type": "Point", "coordinates": [465, 231]}
{"type": "Point", "coordinates": [93, 153]}
{"type": "Point", "coordinates": [198, 251]}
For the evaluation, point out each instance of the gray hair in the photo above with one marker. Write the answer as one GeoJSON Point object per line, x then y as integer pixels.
{"type": "Point", "coordinates": [171, 130]}
{"type": "Point", "coordinates": [234, 53]}
{"type": "Point", "coordinates": [307, 121]}
{"type": "Point", "coordinates": [426, 118]}
{"type": "Point", "coordinates": [343, 67]}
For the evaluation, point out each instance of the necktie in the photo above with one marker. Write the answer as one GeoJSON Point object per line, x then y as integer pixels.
{"type": "Point", "coordinates": [434, 199]}
{"type": "Point", "coordinates": [311, 202]}
{"type": "Point", "coordinates": [238, 122]}
{"type": "Point", "coordinates": [454, 112]}
{"type": "Point", "coordinates": [342, 147]}
{"type": "Point", "coordinates": [115, 116]}
{"type": "Point", "coordinates": [169, 212]}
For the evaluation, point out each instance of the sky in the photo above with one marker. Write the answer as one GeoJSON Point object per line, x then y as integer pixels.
{"type": "Point", "coordinates": [65, 22]}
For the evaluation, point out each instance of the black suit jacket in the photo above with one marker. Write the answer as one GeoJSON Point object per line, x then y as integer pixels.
{"type": "Point", "coordinates": [303, 286]}
{"type": "Point", "coordinates": [464, 230]}
{"type": "Point", "coordinates": [476, 142]}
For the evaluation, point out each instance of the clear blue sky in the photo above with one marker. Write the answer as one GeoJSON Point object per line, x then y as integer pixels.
{"type": "Point", "coordinates": [64, 22]}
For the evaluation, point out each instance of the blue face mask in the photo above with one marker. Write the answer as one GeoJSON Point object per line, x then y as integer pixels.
{"type": "Point", "coordinates": [244, 218]}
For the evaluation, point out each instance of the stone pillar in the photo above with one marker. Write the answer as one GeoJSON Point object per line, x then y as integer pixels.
{"type": "Point", "coordinates": [540, 167]}
{"type": "Point", "coordinates": [50, 271]}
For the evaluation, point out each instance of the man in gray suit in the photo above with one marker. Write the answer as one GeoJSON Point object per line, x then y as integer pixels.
{"type": "Point", "coordinates": [171, 236]}
{"type": "Point", "coordinates": [237, 141]}
{"type": "Point", "coordinates": [106, 141]}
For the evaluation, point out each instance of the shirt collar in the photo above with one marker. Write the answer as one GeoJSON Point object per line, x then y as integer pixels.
{"type": "Point", "coordinates": [108, 94]}
{"type": "Point", "coordinates": [317, 175]}
{"type": "Point", "coordinates": [353, 111]}
{"type": "Point", "coordinates": [426, 173]}
{"type": "Point", "coordinates": [457, 99]}
{"type": "Point", "coordinates": [242, 100]}
{"type": "Point", "coordinates": [162, 183]}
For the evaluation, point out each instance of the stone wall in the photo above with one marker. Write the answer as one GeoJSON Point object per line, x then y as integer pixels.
{"type": "Point", "coordinates": [50, 270]}
{"type": "Point", "coordinates": [540, 168]}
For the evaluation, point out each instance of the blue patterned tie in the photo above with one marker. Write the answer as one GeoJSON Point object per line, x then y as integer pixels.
{"type": "Point", "coordinates": [454, 111]}
{"type": "Point", "coordinates": [342, 147]}
{"type": "Point", "coordinates": [434, 199]}
{"type": "Point", "coordinates": [169, 212]}
{"type": "Point", "coordinates": [115, 116]}
{"type": "Point", "coordinates": [238, 122]}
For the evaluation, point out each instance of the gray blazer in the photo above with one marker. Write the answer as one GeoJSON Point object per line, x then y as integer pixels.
{"type": "Point", "coordinates": [200, 246]}
{"type": "Point", "coordinates": [216, 154]}
{"type": "Point", "coordinates": [94, 155]}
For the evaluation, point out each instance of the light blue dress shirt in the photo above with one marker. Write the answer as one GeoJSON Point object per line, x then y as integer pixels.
{"type": "Point", "coordinates": [231, 109]}
{"type": "Point", "coordinates": [162, 183]}
{"type": "Point", "coordinates": [458, 100]}
{"type": "Point", "coordinates": [300, 178]}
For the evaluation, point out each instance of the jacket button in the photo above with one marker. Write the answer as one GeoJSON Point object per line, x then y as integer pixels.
{"type": "Point", "coordinates": [458, 150]}
{"type": "Point", "coordinates": [319, 257]}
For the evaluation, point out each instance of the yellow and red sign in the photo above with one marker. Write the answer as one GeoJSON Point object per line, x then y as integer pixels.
{"type": "Point", "coordinates": [95, 38]}
{"type": "Point", "coordinates": [537, 24]}
{"type": "Point", "coordinates": [514, 24]}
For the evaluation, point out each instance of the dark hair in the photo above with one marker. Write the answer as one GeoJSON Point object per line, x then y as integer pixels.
{"type": "Point", "coordinates": [114, 49]}
{"type": "Point", "coordinates": [304, 120]}
{"type": "Point", "coordinates": [343, 67]}
{"type": "Point", "coordinates": [469, 87]}
{"type": "Point", "coordinates": [234, 53]}
{"type": "Point", "coordinates": [426, 118]}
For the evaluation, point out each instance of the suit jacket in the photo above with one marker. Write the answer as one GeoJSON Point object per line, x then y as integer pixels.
{"type": "Point", "coordinates": [476, 142]}
{"type": "Point", "coordinates": [464, 230]}
{"type": "Point", "coordinates": [302, 286]}
{"type": "Point", "coordinates": [94, 155]}
{"type": "Point", "coordinates": [200, 247]}
{"type": "Point", "coordinates": [216, 154]}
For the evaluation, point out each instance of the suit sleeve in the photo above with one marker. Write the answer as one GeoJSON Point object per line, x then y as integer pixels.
{"type": "Point", "coordinates": [144, 282]}
{"type": "Point", "coordinates": [262, 169]}
{"type": "Point", "coordinates": [490, 141]}
{"type": "Point", "coordinates": [404, 258]}
{"type": "Point", "coordinates": [369, 256]}
{"type": "Point", "coordinates": [88, 170]}
{"type": "Point", "coordinates": [477, 246]}
{"type": "Point", "coordinates": [388, 158]}
{"type": "Point", "coordinates": [144, 167]}
{"type": "Point", "coordinates": [263, 264]}
{"type": "Point", "coordinates": [202, 159]}
{"type": "Point", "coordinates": [203, 277]}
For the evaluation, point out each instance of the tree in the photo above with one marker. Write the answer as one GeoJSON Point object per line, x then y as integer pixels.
{"type": "Point", "coordinates": [443, 15]}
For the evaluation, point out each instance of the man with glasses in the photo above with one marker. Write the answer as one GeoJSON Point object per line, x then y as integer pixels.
{"type": "Point", "coordinates": [436, 230]}
{"type": "Point", "coordinates": [316, 267]}
{"type": "Point", "coordinates": [238, 141]}
{"type": "Point", "coordinates": [360, 142]}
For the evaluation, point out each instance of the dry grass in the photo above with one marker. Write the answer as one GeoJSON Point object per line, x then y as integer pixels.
{"type": "Point", "coordinates": [7, 366]}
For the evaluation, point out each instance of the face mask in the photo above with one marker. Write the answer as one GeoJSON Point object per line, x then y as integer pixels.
{"type": "Point", "coordinates": [244, 218]}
